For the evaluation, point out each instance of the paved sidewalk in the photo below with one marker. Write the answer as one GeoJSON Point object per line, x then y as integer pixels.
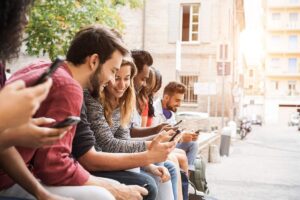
{"type": "Point", "coordinates": [264, 166]}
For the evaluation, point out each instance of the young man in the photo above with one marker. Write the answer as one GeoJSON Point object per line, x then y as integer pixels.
{"type": "Point", "coordinates": [94, 56]}
{"type": "Point", "coordinates": [165, 109]}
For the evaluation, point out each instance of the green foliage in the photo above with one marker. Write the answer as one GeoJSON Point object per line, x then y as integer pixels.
{"type": "Point", "coordinates": [53, 23]}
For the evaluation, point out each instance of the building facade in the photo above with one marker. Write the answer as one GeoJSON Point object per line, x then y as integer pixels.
{"type": "Point", "coordinates": [282, 62]}
{"type": "Point", "coordinates": [187, 39]}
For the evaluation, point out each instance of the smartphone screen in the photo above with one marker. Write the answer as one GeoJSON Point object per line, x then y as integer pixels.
{"type": "Point", "coordinates": [49, 71]}
{"type": "Point", "coordinates": [71, 120]}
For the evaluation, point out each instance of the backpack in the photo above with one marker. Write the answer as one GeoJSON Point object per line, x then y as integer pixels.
{"type": "Point", "coordinates": [197, 176]}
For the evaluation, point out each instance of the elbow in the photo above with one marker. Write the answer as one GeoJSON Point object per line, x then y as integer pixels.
{"type": "Point", "coordinates": [94, 163]}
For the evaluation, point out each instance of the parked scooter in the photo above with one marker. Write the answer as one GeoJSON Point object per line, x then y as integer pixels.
{"type": "Point", "coordinates": [244, 127]}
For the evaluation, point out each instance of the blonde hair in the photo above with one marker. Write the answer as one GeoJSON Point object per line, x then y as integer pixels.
{"type": "Point", "coordinates": [126, 102]}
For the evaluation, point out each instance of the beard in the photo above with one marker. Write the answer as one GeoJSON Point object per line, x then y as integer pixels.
{"type": "Point", "coordinates": [95, 82]}
{"type": "Point", "coordinates": [169, 107]}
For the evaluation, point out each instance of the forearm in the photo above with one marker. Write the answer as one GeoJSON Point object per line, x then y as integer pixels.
{"type": "Point", "coordinates": [148, 138]}
{"type": "Point", "coordinates": [12, 163]}
{"type": "Point", "coordinates": [6, 139]}
{"type": "Point", "coordinates": [143, 132]}
{"type": "Point", "coordinates": [115, 161]}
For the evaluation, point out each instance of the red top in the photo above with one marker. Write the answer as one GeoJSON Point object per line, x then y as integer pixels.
{"type": "Point", "coordinates": [53, 164]}
{"type": "Point", "coordinates": [145, 111]}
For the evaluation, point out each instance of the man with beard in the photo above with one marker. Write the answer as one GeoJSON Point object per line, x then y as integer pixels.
{"type": "Point", "coordinates": [165, 109]}
{"type": "Point", "coordinates": [93, 58]}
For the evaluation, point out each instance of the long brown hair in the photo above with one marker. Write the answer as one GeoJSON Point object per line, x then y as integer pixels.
{"type": "Point", "coordinates": [126, 102]}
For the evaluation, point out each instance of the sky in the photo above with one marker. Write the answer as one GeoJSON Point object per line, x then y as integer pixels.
{"type": "Point", "coordinates": [252, 36]}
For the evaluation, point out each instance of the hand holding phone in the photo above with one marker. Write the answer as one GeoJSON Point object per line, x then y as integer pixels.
{"type": "Point", "coordinates": [49, 71]}
{"type": "Point", "coordinates": [71, 120]}
{"type": "Point", "coordinates": [176, 133]}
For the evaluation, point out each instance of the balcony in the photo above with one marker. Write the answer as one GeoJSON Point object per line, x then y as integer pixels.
{"type": "Point", "coordinates": [275, 4]}
{"type": "Point", "coordinates": [282, 73]}
{"type": "Point", "coordinates": [283, 26]}
{"type": "Point", "coordinates": [282, 49]}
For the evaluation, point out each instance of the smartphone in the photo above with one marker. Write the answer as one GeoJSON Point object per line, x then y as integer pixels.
{"type": "Point", "coordinates": [71, 120]}
{"type": "Point", "coordinates": [198, 131]}
{"type": "Point", "coordinates": [49, 71]}
{"type": "Point", "coordinates": [173, 137]}
{"type": "Point", "coordinates": [177, 123]}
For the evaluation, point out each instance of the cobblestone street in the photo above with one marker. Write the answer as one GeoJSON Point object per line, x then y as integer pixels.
{"type": "Point", "coordinates": [263, 166]}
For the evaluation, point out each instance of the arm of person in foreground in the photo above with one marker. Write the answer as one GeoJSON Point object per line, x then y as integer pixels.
{"type": "Point", "coordinates": [12, 163]}
{"type": "Point", "coordinates": [31, 134]}
{"type": "Point", "coordinates": [18, 104]}
{"type": "Point", "coordinates": [157, 152]}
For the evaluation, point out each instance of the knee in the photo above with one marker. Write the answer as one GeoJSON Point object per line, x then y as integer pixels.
{"type": "Point", "coordinates": [152, 191]}
{"type": "Point", "coordinates": [171, 168]}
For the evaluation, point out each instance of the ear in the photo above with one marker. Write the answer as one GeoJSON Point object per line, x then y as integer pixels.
{"type": "Point", "coordinates": [94, 61]}
{"type": "Point", "coordinates": [166, 98]}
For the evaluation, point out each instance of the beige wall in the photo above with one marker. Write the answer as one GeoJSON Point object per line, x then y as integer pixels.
{"type": "Point", "coordinates": [162, 29]}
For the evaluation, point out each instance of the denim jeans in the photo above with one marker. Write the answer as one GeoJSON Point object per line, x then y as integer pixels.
{"type": "Point", "coordinates": [172, 170]}
{"type": "Point", "coordinates": [132, 178]}
{"type": "Point", "coordinates": [191, 149]}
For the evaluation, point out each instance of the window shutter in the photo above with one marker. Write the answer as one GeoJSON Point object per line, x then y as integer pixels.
{"type": "Point", "coordinates": [205, 21]}
{"type": "Point", "coordinates": [173, 21]}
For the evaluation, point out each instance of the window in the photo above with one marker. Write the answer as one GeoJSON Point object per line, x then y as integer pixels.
{"type": "Point", "coordinates": [275, 16]}
{"type": "Point", "coordinates": [275, 41]}
{"type": "Point", "coordinates": [275, 85]}
{"type": "Point", "coordinates": [188, 81]}
{"type": "Point", "coordinates": [293, 41]}
{"type": "Point", "coordinates": [251, 73]}
{"type": "Point", "coordinates": [190, 23]}
{"type": "Point", "coordinates": [294, 1]}
{"type": "Point", "coordinates": [293, 17]}
{"type": "Point", "coordinates": [275, 63]}
{"type": "Point", "coordinates": [292, 65]}
{"type": "Point", "coordinates": [291, 87]}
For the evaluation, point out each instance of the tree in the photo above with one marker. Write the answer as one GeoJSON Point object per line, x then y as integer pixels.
{"type": "Point", "coordinates": [53, 23]}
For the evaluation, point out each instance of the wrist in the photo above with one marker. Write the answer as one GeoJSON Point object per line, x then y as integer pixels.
{"type": "Point", "coordinates": [7, 139]}
{"type": "Point", "coordinates": [40, 193]}
{"type": "Point", "coordinates": [148, 157]}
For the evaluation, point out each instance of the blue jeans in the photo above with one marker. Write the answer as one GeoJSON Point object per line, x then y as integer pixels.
{"type": "Point", "coordinates": [172, 170]}
{"type": "Point", "coordinates": [132, 178]}
{"type": "Point", "coordinates": [191, 149]}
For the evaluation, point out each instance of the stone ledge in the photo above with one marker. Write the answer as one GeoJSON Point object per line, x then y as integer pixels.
{"type": "Point", "coordinates": [205, 140]}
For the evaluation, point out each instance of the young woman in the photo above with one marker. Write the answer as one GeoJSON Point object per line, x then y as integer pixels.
{"type": "Point", "coordinates": [147, 96]}
{"type": "Point", "coordinates": [109, 117]}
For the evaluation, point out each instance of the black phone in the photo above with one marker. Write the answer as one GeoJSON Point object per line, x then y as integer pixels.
{"type": "Point", "coordinates": [48, 72]}
{"type": "Point", "coordinates": [71, 120]}
{"type": "Point", "coordinates": [177, 123]}
{"type": "Point", "coordinates": [198, 131]}
{"type": "Point", "coordinates": [173, 137]}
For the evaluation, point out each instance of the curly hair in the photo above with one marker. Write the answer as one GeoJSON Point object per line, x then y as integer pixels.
{"type": "Point", "coordinates": [12, 23]}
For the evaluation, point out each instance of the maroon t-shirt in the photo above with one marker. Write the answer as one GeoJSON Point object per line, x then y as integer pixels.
{"type": "Point", "coordinates": [53, 164]}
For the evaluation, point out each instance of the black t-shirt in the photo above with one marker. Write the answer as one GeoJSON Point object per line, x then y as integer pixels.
{"type": "Point", "coordinates": [84, 138]}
